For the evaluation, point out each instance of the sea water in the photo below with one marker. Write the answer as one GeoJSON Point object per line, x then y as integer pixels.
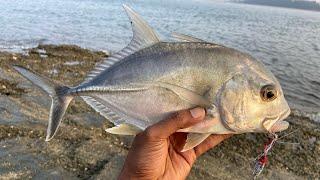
{"type": "Point", "coordinates": [286, 40]}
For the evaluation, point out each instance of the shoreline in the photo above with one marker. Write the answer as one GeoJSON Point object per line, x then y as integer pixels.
{"type": "Point", "coordinates": [23, 120]}
{"type": "Point", "coordinates": [298, 110]}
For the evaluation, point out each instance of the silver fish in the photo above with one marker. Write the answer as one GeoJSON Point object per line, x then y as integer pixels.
{"type": "Point", "coordinates": [150, 79]}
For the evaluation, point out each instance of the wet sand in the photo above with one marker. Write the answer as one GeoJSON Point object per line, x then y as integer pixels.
{"type": "Point", "coordinates": [83, 150]}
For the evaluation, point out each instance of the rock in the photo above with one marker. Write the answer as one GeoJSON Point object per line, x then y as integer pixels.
{"type": "Point", "coordinates": [251, 137]}
{"type": "Point", "coordinates": [72, 63]}
{"type": "Point", "coordinates": [82, 149]}
{"type": "Point", "coordinates": [18, 161]}
{"type": "Point", "coordinates": [112, 169]}
{"type": "Point", "coordinates": [312, 140]}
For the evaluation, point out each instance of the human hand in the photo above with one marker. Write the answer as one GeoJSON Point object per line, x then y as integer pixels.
{"type": "Point", "coordinates": [156, 152]}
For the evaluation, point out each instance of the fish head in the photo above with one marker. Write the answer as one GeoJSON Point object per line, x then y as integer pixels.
{"type": "Point", "coordinates": [253, 101]}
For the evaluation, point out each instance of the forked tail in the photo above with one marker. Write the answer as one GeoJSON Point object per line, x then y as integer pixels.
{"type": "Point", "coordinates": [58, 93]}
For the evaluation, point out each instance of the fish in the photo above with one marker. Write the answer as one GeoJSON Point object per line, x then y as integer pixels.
{"type": "Point", "coordinates": [151, 79]}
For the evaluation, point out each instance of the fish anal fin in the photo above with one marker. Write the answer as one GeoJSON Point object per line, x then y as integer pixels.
{"type": "Point", "coordinates": [194, 139]}
{"type": "Point", "coordinates": [124, 129]}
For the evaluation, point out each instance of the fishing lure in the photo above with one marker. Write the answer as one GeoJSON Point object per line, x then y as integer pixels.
{"type": "Point", "coordinates": [262, 159]}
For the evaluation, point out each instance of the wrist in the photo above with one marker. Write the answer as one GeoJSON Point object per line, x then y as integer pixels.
{"type": "Point", "coordinates": [125, 174]}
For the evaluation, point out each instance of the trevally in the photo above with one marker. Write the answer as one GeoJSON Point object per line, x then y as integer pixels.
{"type": "Point", "coordinates": [150, 79]}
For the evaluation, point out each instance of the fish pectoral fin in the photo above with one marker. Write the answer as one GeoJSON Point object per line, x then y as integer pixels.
{"type": "Point", "coordinates": [186, 94]}
{"type": "Point", "coordinates": [194, 139]}
{"type": "Point", "coordinates": [124, 129]}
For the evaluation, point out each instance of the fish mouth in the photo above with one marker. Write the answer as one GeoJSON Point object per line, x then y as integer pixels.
{"type": "Point", "coordinates": [277, 124]}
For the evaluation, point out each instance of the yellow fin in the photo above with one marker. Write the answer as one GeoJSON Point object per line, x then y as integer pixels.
{"type": "Point", "coordinates": [124, 129]}
{"type": "Point", "coordinates": [194, 139]}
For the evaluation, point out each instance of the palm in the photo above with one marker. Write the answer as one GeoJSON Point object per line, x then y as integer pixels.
{"type": "Point", "coordinates": [156, 152]}
{"type": "Point", "coordinates": [178, 163]}
{"type": "Point", "coordinates": [162, 157]}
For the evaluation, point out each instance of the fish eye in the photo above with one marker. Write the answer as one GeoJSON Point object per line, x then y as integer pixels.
{"type": "Point", "coordinates": [268, 93]}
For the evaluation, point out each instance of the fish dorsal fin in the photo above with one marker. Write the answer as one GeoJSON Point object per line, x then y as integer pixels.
{"type": "Point", "coordinates": [185, 38]}
{"type": "Point", "coordinates": [143, 36]}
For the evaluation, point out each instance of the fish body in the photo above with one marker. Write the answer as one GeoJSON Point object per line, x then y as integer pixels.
{"type": "Point", "coordinates": [150, 79]}
{"type": "Point", "coordinates": [197, 67]}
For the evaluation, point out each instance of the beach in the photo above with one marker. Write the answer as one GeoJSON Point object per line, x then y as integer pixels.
{"type": "Point", "coordinates": [82, 149]}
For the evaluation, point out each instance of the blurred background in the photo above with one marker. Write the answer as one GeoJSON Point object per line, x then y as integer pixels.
{"type": "Point", "coordinates": [64, 40]}
{"type": "Point", "coordinates": [286, 40]}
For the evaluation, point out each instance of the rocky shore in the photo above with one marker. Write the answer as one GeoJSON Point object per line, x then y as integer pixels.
{"type": "Point", "coordinates": [83, 150]}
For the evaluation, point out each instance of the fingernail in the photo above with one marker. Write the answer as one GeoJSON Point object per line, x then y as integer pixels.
{"type": "Point", "coordinates": [197, 112]}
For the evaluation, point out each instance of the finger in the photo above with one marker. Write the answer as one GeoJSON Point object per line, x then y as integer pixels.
{"type": "Point", "coordinates": [209, 143]}
{"type": "Point", "coordinates": [182, 119]}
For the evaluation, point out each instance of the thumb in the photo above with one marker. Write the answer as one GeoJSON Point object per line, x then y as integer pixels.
{"type": "Point", "coordinates": [180, 120]}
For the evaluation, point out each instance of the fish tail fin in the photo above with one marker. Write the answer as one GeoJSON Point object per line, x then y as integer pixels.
{"type": "Point", "coordinates": [59, 94]}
